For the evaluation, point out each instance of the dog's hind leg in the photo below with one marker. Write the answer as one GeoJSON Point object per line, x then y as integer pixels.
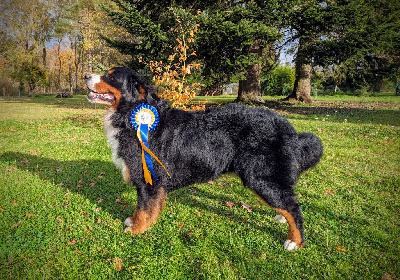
{"type": "Point", "coordinates": [285, 203]}
{"type": "Point", "coordinates": [148, 210]}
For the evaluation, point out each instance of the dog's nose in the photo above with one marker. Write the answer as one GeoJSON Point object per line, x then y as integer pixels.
{"type": "Point", "coordinates": [88, 76]}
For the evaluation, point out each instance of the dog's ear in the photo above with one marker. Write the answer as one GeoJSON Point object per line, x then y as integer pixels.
{"type": "Point", "coordinates": [142, 92]}
{"type": "Point", "coordinates": [130, 84]}
{"type": "Point", "coordinates": [147, 94]}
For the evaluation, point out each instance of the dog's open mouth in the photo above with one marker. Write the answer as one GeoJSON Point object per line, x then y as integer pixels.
{"type": "Point", "coordinates": [98, 97]}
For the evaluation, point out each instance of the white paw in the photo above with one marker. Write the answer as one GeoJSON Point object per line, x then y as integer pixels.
{"type": "Point", "coordinates": [289, 245]}
{"type": "Point", "coordinates": [128, 222]}
{"type": "Point", "coordinates": [280, 219]}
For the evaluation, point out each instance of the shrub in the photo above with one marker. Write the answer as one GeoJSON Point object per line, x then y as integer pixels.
{"type": "Point", "coordinates": [173, 77]}
{"type": "Point", "coordinates": [279, 82]}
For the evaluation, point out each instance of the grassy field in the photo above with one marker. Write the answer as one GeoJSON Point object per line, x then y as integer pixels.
{"type": "Point", "coordinates": [62, 202]}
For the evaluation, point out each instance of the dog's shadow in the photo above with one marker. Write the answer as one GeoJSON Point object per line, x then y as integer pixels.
{"type": "Point", "coordinates": [101, 182]}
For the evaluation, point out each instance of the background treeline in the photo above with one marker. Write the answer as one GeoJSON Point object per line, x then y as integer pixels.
{"type": "Point", "coordinates": [337, 46]}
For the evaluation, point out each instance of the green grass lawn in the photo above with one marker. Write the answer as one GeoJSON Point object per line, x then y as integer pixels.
{"type": "Point", "coordinates": [63, 202]}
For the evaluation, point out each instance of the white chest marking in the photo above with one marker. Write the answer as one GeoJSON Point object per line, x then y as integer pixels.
{"type": "Point", "coordinates": [111, 133]}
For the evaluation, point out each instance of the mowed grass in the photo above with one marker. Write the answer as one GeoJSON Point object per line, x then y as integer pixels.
{"type": "Point", "coordinates": [63, 203]}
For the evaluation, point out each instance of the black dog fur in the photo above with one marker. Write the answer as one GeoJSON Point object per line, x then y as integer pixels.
{"type": "Point", "coordinates": [259, 145]}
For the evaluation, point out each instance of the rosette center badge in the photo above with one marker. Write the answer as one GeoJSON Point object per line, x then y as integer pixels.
{"type": "Point", "coordinates": [145, 114]}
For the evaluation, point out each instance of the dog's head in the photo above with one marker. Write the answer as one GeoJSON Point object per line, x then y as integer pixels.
{"type": "Point", "coordinates": [117, 85]}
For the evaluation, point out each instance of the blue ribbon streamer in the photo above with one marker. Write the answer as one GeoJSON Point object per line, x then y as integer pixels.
{"type": "Point", "coordinates": [144, 130]}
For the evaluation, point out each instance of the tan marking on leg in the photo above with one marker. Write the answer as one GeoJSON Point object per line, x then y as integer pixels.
{"type": "Point", "coordinates": [139, 222]}
{"type": "Point", "coordinates": [143, 219]}
{"type": "Point", "coordinates": [293, 233]}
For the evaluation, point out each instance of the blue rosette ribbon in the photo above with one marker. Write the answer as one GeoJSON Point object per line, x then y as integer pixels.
{"type": "Point", "coordinates": [145, 119]}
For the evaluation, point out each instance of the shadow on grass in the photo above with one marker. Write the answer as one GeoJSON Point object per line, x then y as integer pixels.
{"type": "Point", "coordinates": [95, 179]}
{"type": "Point", "coordinates": [218, 208]}
{"type": "Point", "coordinates": [352, 112]}
{"type": "Point", "coordinates": [76, 102]}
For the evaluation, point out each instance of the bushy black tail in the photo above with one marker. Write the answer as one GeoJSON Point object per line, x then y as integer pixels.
{"type": "Point", "coordinates": [310, 150]}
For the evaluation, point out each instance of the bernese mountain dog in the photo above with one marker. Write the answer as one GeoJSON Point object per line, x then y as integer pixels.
{"type": "Point", "coordinates": [159, 148]}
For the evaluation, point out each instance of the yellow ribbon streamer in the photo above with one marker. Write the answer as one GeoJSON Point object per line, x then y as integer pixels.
{"type": "Point", "coordinates": [147, 174]}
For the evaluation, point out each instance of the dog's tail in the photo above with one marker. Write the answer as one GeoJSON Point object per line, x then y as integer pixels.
{"type": "Point", "coordinates": [310, 150]}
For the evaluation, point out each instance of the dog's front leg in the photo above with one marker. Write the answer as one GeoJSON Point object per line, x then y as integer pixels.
{"type": "Point", "coordinates": [150, 203]}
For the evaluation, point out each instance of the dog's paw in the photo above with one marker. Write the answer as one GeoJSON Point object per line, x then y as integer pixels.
{"type": "Point", "coordinates": [130, 230]}
{"type": "Point", "coordinates": [290, 245]}
{"type": "Point", "coordinates": [128, 222]}
{"type": "Point", "coordinates": [280, 219]}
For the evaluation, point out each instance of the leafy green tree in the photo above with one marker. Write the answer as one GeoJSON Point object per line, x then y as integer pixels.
{"type": "Point", "coordinates": [309, 22]}
{"type": "Point", "coordinates": [234, 40]}
{"type": "Point", "coordinates": [27, 27]}
{"type": "Point", "coordinates": [32, 74]}
{"type": "Point", "coordinates": [370, 47]}
{"type": "Point", "coordinates": [343, 32]}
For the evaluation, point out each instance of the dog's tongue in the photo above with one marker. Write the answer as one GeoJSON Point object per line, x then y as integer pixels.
{"type": "Point", "coordinates": [95, 96]}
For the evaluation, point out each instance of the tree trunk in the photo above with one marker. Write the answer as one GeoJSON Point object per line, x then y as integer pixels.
{"type": "Point", "coordinates": [250, 88]}
{"type": "Point", "coordinates": [89, 52]}
{"type": "Point", "coordinates": [70, 71]}
{"type": "Point", "coordinates": [302, 85]}
{"type": "Point", "coordinates": [60, 66]}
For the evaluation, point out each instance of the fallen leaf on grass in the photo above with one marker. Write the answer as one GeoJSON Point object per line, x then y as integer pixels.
{"type": "Point", "coordinates": [84, 213]}
{"type": "Point", "coordinates": [179, 224]}
{"type": "Point", "coordinates": [229, 204]}
{"type": "Point", "coordinates": [28, 215]}
{"type": "Point", "coordinates": [246, 206]}
{"type": "Point", "coordinates": [340, 249]}
{"type": "Point", "coordinates": [388, 277]}
{"type": "Point", "coordinates": [73, 242]}
{"type": "Point", "coordinates": [66, 204]}
{"type": "Point", "coordinates": [17, 224]}
{"type": "Point", "coordinates": [78, 251]}
{"type": "Point", "coordinates": [329, 192]}
{"type": "Point", "coordinates": [118, 200]}
{"type": "Point", "coordinates": [2, 209]}
{"type": "Point", "coordinates": [118, 264]}
{"type": "Point", "coordinates": [15, 202]}
{"type": "Point", "coordinates": [100, 200]}
{"type": "Point", "coordinates": [58, 169]}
